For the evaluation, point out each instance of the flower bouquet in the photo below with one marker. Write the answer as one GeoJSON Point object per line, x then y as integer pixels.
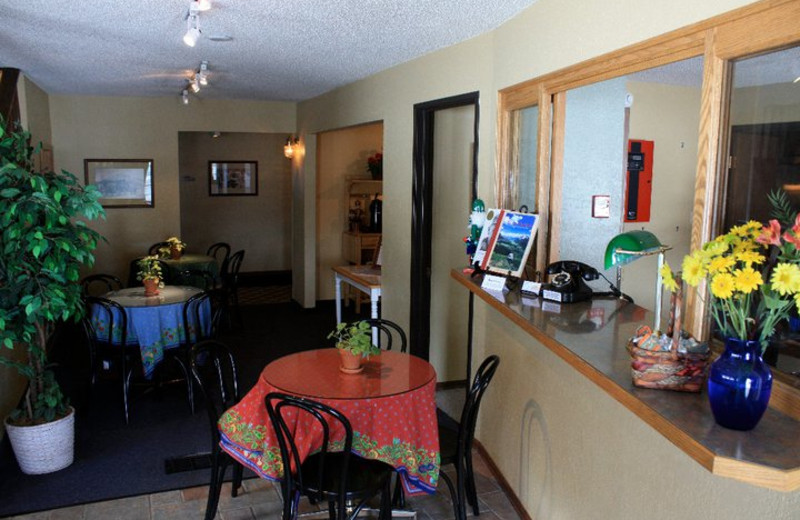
{"type": "Point", "coordinates": [375, 166]}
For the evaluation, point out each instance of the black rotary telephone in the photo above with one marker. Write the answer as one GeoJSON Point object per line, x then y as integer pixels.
{"type": "Point", "coordinates": [568, 284]}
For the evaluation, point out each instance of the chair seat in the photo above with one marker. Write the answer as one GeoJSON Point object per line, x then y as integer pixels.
{"type": "Point", "coordinates": [365, 476]}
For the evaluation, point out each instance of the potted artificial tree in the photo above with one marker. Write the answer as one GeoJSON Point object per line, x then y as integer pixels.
{"type": "Point", "coordinates": [45, 243]}
{"type": "Point", "coordinates": [354, 341]}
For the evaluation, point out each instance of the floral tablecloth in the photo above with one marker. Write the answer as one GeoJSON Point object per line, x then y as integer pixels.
{"type": "Point", "coordinates": [155, 327]}
{"type": "Point", "coordinates": [399, 429]}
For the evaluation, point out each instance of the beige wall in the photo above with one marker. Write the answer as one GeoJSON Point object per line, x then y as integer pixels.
{"type": "Point", "coordinates": [669, 116]}
{"type": "Point", "coordinates": [342, 156]}
{"type": "Point", "coordinates": [766, 104]}
{"type": "Point", "coordinates": [568, 450]}
{"type": "Point", "coordinates": [258, 224]}
{"type": "Point", "coordinates": [147, 128]}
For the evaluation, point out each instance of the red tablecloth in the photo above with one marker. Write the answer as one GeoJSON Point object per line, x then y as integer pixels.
{"type": "Point", "coordinates": [395, 422]}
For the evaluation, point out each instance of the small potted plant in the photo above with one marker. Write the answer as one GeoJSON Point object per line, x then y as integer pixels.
{"type": "Point", "coordinates": [354, 341]}
{"type": "Point", "coordinates": [150, 275]}
{"type": "Point", "coordinates": [173, 249]}
{"type": "Point", "coordinates": [375, 166]}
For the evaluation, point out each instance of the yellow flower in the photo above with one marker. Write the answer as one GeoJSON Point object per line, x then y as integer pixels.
{"type": "Point", "coordinates": [667, 279]}
{"type": "Point", "coordinates": [693, 270]}
{"type": "Point", "coordinates": [750, 257]}
{"type": "Point", "coordinates": [716, 248]}
{"type": "Point", "coordinates": [741, 231]}
{"type": "Point", "coordinates": [747, 280]}
{"type": "Point", "coordinates": [754, 228]}
{"type": "Point", "coordinates": [786, 278]}
{"type": "Point", "coordinates": [720, 264]}
{"type": "Point", "coordinates": [722, 285]}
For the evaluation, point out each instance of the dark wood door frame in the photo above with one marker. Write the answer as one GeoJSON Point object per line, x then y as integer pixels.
{"type": "Point", "coordinates": [421, 213]}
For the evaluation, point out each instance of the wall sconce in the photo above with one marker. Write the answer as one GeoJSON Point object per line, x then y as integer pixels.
{"type": "Point", "coordinates": [288, 148]}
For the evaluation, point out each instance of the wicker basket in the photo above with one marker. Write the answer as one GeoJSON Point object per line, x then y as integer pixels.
{"type": "Point", "coordinates": [44, 448]}
{"type": "Point", "coordinates": [668, 369]}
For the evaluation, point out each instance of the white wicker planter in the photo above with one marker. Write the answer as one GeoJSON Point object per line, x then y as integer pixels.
{"type": "Point", "coordinates": [44, 448]}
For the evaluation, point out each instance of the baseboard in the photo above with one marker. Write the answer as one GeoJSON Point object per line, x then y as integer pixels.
{"type": "Point", "coordinates": [449, 385]}
{"type": "Point", "coordinates": [501, 480]}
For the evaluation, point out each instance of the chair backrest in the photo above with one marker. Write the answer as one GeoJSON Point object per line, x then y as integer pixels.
{"type": "Point", "coordinates": [98, 284]}
{"type": "Point", "coordinates": [192, 313]}
{"type": "Point", "coordinates": [221, 251]}
{"type": "Point", "coordinates": [154, 249]}
{"type": "Point", "coordinates": [386, 328]}
{"type": "Point", "coordinates": [469, 414]}
{"type": "Point", "coordinates": [112, 314]}
{"type": "Point", "coordinates": [195, 278]}
{"type": "Point", "coordinates": [282, 406]}
{"type": "Point", "coordinates": [214, 369]}
{"type": "Point", "coordinates": [234, 264]}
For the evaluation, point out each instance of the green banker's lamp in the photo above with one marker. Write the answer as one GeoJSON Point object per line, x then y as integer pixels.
{"type": "Point", "coordinates": [632, 245]}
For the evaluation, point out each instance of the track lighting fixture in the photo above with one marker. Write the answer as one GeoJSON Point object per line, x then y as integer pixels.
{"type": "Point", "coordinates": [202, 74]}
{"type": "Point", "coordinates": [195, 85]}
{"type": "Point", "coordinates": [289, 147]}
{"type": "Point", "coordinates": [200, 5]}
{"type": "Point", "coordinates": [192, 30]}
{"type": "Point", "coordinates": [185, 97]}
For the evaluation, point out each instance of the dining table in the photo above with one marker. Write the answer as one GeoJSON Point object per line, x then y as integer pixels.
{"type": "Point", "coordinates": [390, 405]}
{"type": "Point", "coordinates": [155, 323]}
{"type": "Point", "coordinates": [193, 262]}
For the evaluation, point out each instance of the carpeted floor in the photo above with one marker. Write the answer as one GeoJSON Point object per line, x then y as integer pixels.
{"type": "Point", "coordinates": [114, 460]}
{"type": "Point", "coordinates": [265, 295]}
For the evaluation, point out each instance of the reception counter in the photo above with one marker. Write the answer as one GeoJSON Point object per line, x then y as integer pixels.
{"type": "Point", "coordinates": [591, 337]}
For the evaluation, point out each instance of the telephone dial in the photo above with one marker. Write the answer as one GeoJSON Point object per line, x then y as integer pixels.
{"type": "Point", "coordinates": [568, 284]}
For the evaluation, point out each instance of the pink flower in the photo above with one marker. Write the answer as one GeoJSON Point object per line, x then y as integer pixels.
{"type": "Point", "coordinates": [770, 235]}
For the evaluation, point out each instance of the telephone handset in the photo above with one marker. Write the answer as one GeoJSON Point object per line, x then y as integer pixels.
{"type": "Point", "coordinates": [569, 281]}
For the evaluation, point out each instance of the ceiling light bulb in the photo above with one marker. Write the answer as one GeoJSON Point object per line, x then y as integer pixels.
{"type": "Point", "coordinates": [288, 149]}
{"type": "Point", "coordinates": [195, 85]}
{"type": "Point", "coordinates": [185, 97]}
{"type": "Point", "coordinates": [192, 32]}
{"type": "Point", "coordinates": [201, 5]}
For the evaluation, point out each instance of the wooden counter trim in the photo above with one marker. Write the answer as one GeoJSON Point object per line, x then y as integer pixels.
{"type": "Point", "coordinates": [756, 474]}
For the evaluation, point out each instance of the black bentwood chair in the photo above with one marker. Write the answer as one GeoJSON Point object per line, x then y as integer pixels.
{"type": "Point", "coordinates": [214, 370]}
{"type": "Point", "coordinates": [221, 252]}
{"type": "Point", "coordinates": [105, 282]}
{"type": "Point", "coordinates": [455, 442]}
{"type": "Point", "coordinates": [343, 479]}
{"type": "Point", "coordinates": [155, 249]}
{"type": "Point", "coordinates": [387, 329]}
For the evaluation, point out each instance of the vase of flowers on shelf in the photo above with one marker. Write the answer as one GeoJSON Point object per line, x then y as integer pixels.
{"type": "Point", "coordinates": [354, 341]}
{"type": "Point", "coordinates": [753, 275]}
{"type": "Point", "coordinates": [150, 275]}
{"type": "Point", "coordinates": [375, 166]}
{"type": "Point", "coordinates": [173, 248]}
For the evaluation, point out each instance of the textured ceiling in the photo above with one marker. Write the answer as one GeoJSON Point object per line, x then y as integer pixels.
{"type": "Point", "coordinates": [278, 50]}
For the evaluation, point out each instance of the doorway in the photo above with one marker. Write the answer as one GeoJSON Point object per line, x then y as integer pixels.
{"type": "Point", "coordinates": [445, 160]}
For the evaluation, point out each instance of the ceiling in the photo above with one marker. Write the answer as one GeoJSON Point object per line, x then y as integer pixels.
{"type": "Point", "coordinates": [282, 51]}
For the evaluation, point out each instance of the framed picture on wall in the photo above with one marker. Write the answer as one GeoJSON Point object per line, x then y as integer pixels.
{"type": "Point", "coordinates": [232, 178]}
{"type": "Point", "coordinates": [123, 183]}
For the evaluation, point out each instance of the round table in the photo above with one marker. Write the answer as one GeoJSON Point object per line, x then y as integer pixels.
{"type": "Point", "coordinates": [388, 374]}
{"type": "Point", "coordinates": [155, 323]}
{"type": "Point", "coordinates": [390, 405]}
{"type": "Point", "coordinates": [192, 262]}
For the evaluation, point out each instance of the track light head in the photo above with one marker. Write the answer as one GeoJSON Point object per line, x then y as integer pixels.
{"type": "Point", "coordinates": [185, 97]}
{"type": "Point", "coordinates": [200, 5]}
{"type": "Point", "coordinates": [195, 85]}
{"type": "Point", "coordinates": [192, 31]}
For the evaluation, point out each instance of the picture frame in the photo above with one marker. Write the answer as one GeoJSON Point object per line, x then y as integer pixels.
{"type": "Point", "coordinates": [123, 183]}
{"type": "Point", "coordinates": [510, 239]}
{"type": "Point", "coordinates": [232, 178]}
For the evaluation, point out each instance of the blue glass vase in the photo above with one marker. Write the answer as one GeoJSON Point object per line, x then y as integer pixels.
{"type": "Point", "coordinates": [739, 385]}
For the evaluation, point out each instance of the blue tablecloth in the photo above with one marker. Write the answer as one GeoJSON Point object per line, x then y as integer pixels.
{"type": "Point", "coordinates": [155, 328]}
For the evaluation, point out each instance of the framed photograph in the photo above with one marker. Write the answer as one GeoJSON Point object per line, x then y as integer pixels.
{"type": "Point", "coordinates": [123, 183]}
{"type": "Point", "coordinates": [511, 242]}
{"type": "Point", "coordinates": [230, 178]}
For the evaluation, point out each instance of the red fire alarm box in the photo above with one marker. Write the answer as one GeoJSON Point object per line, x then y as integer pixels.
{"type": "Point", "coordinates": [639, 180]}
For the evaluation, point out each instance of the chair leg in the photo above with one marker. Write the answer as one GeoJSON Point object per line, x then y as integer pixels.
{"type": "Point", "coordinates": [399, 498]}
{"type": "Point", "coordinates": [215, 487]}
{"type": "Point", "coordinates": [237, 479]}
{"type": "Point", "coordinates": [459, 511]}
{"type": "Point", "coordinates": [386, 501]}
{"type": "Point", "coordinates": [472, 495]}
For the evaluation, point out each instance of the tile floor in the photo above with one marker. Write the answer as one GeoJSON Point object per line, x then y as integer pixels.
{"type": "Point", "coordinates": [261, 499]}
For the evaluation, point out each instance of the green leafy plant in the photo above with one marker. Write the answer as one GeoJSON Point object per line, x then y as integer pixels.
{"type": "Point", "coordinates": [172, 243]}
{"type": "Point", "coordinates": [782, 209]}
{"type": "Point", "coordinates": [45, 242]}
{"type": "Point", "coordinates": [355, 337]}
{"type": "Point", "coordinates": [149, 269]}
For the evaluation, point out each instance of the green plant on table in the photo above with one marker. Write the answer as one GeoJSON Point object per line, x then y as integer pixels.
{"type": "Point", "coordinates": [45, 242]}
{"type": "Point", "coordinates": [355, 337]}
{"type": "Point", "coordinates": [149, 269]}
{"type": "Point", "coordinates": [172, 243]}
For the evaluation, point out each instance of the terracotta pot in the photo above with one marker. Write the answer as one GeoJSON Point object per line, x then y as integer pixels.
{"type": "Point", "coordinates": [150, 287]}
{"type": "Point", "coordinates": [175, 253]}
{"type": "Point", "coordinates": [351, 363]}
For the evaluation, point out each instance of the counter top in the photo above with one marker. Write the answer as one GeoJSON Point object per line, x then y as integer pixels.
{"type": "Point", "coordinates": [591, 337]}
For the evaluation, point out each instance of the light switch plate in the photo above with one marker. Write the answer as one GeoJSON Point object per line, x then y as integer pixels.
{"type": "Point", "coordinates": [601, 206]}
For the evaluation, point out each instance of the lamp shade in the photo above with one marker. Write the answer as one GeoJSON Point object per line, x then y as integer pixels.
{"type": "Point", "coordinates": [627, 247]}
